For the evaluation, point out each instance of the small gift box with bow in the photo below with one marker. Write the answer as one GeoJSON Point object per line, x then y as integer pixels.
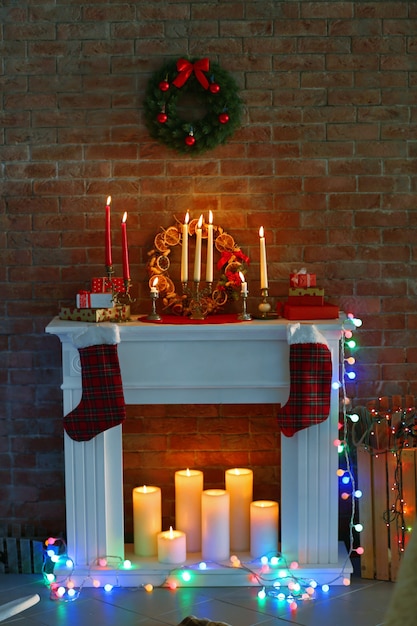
{"type": "Point", "coordinates": [302, 279]}
{"type": "Point", "coordinates": [107, 285]}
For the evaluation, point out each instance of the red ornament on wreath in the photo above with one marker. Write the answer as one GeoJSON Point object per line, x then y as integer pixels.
{"type": "Point", "coordinates": [214, 88]}
{"type": "Point", "coordinates": [162, 117]}
{"type": "Point", "coordinates": [164, 85]}
{"type": "Point", "coordinates": [223, 118]}
{"type": "Point", "coordinates": [190, 139]}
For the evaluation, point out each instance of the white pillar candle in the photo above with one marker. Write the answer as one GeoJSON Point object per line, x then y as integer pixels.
{"type": "Point", "coordinates": [188, 490]}
{"type": "Point", "coordinates": [172, 547]}
{"type": "Point", "coordinates": [239, 484]}
{"type": "Point", "coordinates": [147, 519]}
{"type": "Point", "coordinates": [197, 258]}
{"type": "Point", "coordinates": [215, 522]}
{"type": "Point", "coordinates": [243, 284]}
{"type": "Point", "coordinates": [263, 528]}
{"type": "Point", "coordinates": [184, 250]}
{"type": "Point", "coordinates": [262, 257]}
{"type": "Point", "coordinates": [209, 264]}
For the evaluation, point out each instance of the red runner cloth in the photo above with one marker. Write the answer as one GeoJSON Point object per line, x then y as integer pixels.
{"type": "Point", "coordinates": [210, 319]}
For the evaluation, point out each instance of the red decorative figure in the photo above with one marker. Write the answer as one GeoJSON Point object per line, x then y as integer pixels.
{"type": "Point", "coordinates": [164, 85]}
{"type": "Point", "coordinates": [214, 88]}
{"type": "Point", "coordinates": [162, 117]}
{"type": "Point", "coordinates": [223, 118]}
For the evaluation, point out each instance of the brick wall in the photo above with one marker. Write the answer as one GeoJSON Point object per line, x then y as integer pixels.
{"type": "Point", "coordinates": [326, 161]}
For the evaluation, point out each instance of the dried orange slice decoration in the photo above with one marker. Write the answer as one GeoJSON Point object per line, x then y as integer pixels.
{"type": "Point", "coordinates": [163, 262]}
{"type": "Point", "coordinates": [224, 242]}
{"type": "Point", "coordinates": [219, 296]}
{"type": "Point", "coordinates": [172, 236]}
{"type": "Point", "coordinates": [160, 243]}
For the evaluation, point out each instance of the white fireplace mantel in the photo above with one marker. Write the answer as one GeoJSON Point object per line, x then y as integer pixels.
{"type": "Point", "coordinates": [186, 364]}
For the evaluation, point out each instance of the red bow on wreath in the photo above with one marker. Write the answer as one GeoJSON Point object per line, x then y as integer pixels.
{"type": "Point", "coordinates": [226, 256]}
{"type": "Point", "coordinates": [186, 68]}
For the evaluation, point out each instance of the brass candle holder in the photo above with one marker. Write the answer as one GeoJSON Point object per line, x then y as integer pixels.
{"type": "Point", "coordinates": [264, 307]}
{"type": "Point", "coordinates": [195, 296]}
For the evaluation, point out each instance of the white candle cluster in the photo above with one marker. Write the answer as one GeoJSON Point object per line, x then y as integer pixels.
{"type": "Point", "coordinates": [212, 521]}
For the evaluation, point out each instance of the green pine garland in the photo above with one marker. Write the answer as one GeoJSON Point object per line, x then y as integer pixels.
{"type": "Point", "coordinates": [220, 99]}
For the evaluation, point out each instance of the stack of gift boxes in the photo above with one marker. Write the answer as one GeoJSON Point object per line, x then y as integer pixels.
{"type": "Point", "coordinates": [98, 305]}
{"type": "Point", "coordinates": [306, 300]}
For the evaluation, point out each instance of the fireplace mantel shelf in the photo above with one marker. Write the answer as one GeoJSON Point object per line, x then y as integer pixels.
{"type": "Point", "coordinates": [186, 364]}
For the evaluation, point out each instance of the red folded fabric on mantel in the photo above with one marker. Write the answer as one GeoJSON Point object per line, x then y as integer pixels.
{"type": "Point", "coordinates": [229, 318]}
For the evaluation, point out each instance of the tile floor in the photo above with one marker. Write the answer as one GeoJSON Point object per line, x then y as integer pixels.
{"type": "Point", "coordinates": [362, 604]}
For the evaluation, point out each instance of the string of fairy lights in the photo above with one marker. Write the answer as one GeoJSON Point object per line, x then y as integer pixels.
{"type": "Point", "coordinates": [274, 576]}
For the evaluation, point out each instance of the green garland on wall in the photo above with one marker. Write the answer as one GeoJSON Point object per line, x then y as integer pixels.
{"type": "Point", "coordinates": [204, 83]}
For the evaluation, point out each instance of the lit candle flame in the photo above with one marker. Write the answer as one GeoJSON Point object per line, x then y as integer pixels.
{"type": "Point", "coordinates": [261, 232]}
{"type": "Point", "coordinates": [108, 200]}
{"type": "Point", "coordinates": [242, 277]}
{"type": "Point", "coordinates": [210, 217]}
{"type": "Point", "coordinates": [124, 218]}
{"type": "Point", "coordinates": [187, 218]}
{"type": "Point", "coordinates": [200, 222]}
{"type": "Point", "coordinates": [155, 281]}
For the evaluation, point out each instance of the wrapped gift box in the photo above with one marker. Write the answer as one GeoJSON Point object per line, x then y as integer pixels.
{"type": "Point", "coordinates": [305, 297]}
{"type": "Point", "coordinates": [107, 285]}
{"type": "Point", "coordinates": [112, 314]}
{"type": "Point", "coordinates": [302, 279]}
{"type": "Point", "coordinates": [90, 300]}
{"type": "Point", "coordinates": [325, 312]}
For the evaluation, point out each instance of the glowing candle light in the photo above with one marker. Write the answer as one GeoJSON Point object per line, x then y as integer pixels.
{"type": "Point", "coordinates": [197, 258]}
{"type": "Point", "coordinates": [154, 286]}
{"type": "Point", "coordinates": [209, 264]}
{"type": "Point", "coordinates": [184, 251]}
{"type": "Point", "coordinates": [215, 521]}
{"type": "Point", "coordinates": [147, 519]}
{"type": "Point", "coordinates": [263, 527]}
{"type": "Point", "coordinates": [244, 284]}
{"type": "Point", "coordinates": [239, 484]}
{"type": "Point", "coordinates": [188, 490]}
{"type": "Point", "coordinates": [107, 242]}
{"type": "Point", "coordinates": [125, 250]}
{"type": "Point", "coordinates": [172, 547]}
{"type": "Point", "coordinates": [264, 271]}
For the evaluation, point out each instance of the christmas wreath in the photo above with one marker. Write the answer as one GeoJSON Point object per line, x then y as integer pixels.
{"type": "Point", "coordinates": [207, 87]}
{"type": "Point", "coordinates": [232, 261]}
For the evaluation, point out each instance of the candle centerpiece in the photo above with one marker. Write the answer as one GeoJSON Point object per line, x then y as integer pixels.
{"type": "Point", "coordinates": [201, 293]}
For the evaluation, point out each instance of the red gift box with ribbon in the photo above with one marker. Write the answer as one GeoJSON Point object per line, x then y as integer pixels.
{"type": "Point", "coordinates": [302, 279]}
{"type": "Point", "coordinates": [107, 285]}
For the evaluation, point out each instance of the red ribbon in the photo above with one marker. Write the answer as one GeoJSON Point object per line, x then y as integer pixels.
{"type": "Point", "coordinates": [185, 69]}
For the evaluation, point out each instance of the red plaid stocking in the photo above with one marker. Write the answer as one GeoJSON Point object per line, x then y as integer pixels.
{"type": "Point", "coordinates": [310, 380]}
{"type": "Point", "coordinates": [102, 404]}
